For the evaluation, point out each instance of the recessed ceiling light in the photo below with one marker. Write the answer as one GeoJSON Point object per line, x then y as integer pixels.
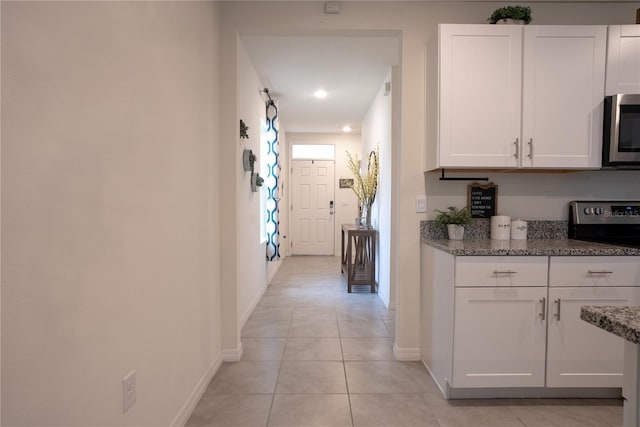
{"type": "Point", "coordinates": [346, 129]}
{"type": "Point", "coordinates": [320, 94]}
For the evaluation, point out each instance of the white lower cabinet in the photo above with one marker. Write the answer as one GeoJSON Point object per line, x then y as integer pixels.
{"type": "Point", "coordinates": [499, 337]}
{"type": "Point", "coordinates": [579, 354]}
{"type": "Point", "coordinates": [501, 322]}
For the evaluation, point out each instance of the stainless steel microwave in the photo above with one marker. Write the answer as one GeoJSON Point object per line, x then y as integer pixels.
{"type": "Point", "coordinates": [621, 133]}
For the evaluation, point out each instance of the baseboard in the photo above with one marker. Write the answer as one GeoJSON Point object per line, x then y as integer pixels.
{"type": "Point", "coordinates": [272, 269]}
{"type": "Point", "coordinates": [433, 377]}
{"type": "Point", "coordinates": [389, 303]}
{"type": "Point", "coordinates": [406, 354]}
{"type": "Point", "coordinates": [233, 355]}
{"type": "Point", "coordinates": [252, 306]}
{"type": "Point", "coordinates": [187, 409]}
{"type": "Point", "coordinates": [392, 305]}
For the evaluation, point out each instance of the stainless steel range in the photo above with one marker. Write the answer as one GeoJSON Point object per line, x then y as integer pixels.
{"type": "Point", "coordinates": [612, 221]}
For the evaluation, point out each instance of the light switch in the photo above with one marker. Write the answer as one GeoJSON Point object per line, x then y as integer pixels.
{"type": "Point", "coordinates": [421, 204]}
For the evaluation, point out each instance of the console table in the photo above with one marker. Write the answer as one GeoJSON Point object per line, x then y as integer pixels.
{"type": "Point", "coordinates": [359, 256]}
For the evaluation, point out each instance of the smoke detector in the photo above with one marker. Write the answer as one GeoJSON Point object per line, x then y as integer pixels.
{"type": "Point", "coordinates": [332, 7]}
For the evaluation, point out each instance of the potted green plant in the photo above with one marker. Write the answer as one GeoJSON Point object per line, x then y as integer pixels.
{"type": "Point", "coordinates": [455, 219]}
{"type": "Point", "coordinates": [516, 13]}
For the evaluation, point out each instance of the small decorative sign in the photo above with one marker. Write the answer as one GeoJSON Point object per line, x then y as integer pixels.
{"type": "Point", "coordinates": [482, 200]}
{"type": "Point", "coordinates": [345, 182]}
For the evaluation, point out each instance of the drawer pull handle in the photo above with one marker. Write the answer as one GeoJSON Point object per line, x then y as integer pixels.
{"type": "Point", "coordinates": [557, 315]}
{"type": "Point", "coordinates": [599, 272]}
{"type": "Point", "coordinates": [544, 308]}
{"type": "Point", "coordinates": [516, 143]}
{"type": "Point", "coordinates": [503, 272]}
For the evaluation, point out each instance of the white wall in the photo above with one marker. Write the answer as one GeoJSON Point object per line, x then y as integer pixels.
{"type": "Point", "coordinates": [250, 248]}
{"type": "Point", "coordinates": [119, 222]}
{"type": "Point", "coordinates": [346, 202]}
{"type": "Point", "coordinates": [376, 131]}
{"type": "Point", "coordinates": [416, 21]}
{"type": "Point", "coordinates": [110, 217]}
{"type": "Point", "coordinates": [541, 196]}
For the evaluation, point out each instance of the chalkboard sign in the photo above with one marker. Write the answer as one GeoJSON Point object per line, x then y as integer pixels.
{"type": "Point", "coordinates": [482, 200]}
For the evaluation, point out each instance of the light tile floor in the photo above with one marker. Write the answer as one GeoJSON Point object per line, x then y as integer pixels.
{"type": "Point", "coordinates": [315, 355]}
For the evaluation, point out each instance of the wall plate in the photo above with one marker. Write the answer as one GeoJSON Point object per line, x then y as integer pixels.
{"type": "Point", "coordinates": [246, 159]}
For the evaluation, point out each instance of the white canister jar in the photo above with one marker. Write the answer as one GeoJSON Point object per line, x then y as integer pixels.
{"type": "Point", "coordinates": [501, 227]}
{"type": "Point", "coordinates": [518, 230]}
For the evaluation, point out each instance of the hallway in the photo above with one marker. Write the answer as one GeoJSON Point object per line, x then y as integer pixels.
{"type": "Point", "coordinates": [315, 355]}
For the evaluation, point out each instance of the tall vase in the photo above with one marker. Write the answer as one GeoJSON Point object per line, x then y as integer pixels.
{"type": "Point", "coordinates": [368, 215]}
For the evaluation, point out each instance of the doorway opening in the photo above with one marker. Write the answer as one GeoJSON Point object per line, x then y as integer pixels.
{"type": "Point", "coordinates": [358, 74]}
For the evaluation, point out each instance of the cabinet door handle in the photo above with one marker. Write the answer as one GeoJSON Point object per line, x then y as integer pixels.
{"type": "Point", "coordinates": [530, 148]}
{"type": "Point", "coordinates": [516, 143]}
{"type": "Point", "coordinates": [599, 272]}
{"type": "Point", "coordinates": [497, 273]}
{"type": "Point", "coordinates": [557, 315]}
{"type": "Point", "coordinates": [544, 308]}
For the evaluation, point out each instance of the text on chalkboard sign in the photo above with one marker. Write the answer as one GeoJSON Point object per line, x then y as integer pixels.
{"type": "Point", "coordinates": [482, 200]}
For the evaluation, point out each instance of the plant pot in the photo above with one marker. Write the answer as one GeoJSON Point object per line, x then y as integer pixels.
{"type": "Point", "coordinates": [456, 232]}
{"type": "Point", "coordinates": [509, 21]}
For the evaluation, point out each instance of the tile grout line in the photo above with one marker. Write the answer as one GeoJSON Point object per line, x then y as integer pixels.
{"type": "Point", "coordinates": [344, 368]}
{"type": "Point", "coordinates": [275, 386]}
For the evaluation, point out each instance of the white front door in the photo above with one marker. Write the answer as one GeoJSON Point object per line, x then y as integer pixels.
{"type": "Point", "coordinates": [312, 207]}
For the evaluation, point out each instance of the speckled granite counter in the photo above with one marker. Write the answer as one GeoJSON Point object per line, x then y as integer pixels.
{"type": "Point", "coordinates": [623, 321]}
{"type": "Point", "coordinates": [548, 247]}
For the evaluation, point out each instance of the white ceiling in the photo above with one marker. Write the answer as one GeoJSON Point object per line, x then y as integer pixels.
{"type": "Point", "coordinates": [350, 69]}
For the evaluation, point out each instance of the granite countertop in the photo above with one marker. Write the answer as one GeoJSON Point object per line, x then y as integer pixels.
{"type": "Point", "coordinates": [623, 321]}
{"type": "Point", "coordinates": [543, 247]}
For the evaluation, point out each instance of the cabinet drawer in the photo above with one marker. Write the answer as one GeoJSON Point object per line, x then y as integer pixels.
{"type": "Point", "coordinates": [594, 271]}
{"type": "Point", "coordinates": [501, 271]}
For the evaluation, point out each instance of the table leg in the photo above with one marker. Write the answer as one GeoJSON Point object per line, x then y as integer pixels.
{"type": "Point", "coordinates": [349, 265]}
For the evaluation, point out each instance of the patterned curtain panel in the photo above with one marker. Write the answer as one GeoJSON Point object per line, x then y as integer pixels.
{"type": "Point", "coordinates": [271, 183]}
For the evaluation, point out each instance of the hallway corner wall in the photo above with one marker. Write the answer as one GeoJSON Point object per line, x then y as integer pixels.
{"type": "Point", "coordinates": [376, 131]}
{"type": "Point", "coordinates": [250, 246]}
{"type": "Point", "coordinates": [110, 222]}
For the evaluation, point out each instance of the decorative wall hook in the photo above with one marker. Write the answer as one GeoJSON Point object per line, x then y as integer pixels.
{"type": "Point", "coordinates": [244, 130]}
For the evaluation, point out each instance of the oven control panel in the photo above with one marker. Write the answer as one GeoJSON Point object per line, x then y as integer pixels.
{"type": "Point", "coordinates": [605, 212]}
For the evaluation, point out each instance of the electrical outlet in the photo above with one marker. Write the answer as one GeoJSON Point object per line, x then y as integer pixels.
{"type": "Point", "coordinates": [128, 391]}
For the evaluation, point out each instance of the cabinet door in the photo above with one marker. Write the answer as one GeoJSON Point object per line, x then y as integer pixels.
{"type": "Point", "coordinates": [563, 93]}
{"type": "Point", "coordinates": [499, 337]}
{"type": "Point", "coordinates": [623, 59]}
{"type": "Point", "coordinates": [480, 95]}
{"type": "Point", "coordinates": [580, 354]}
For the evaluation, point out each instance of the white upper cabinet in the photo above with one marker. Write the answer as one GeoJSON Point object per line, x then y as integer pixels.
{"type": "Point", "coordinates": [519, 97]}
{"type": "Point", "coordinates": [563, 92]}
{"type": "Point", "coordinates": [623, 59]}
{"type": "Point", "coordinates": [480, 94]}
